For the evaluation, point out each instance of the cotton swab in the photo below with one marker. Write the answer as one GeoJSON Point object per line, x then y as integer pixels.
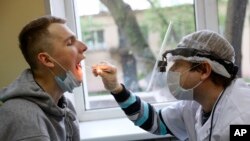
{"type": "Point", "coordinates": [89, 68]}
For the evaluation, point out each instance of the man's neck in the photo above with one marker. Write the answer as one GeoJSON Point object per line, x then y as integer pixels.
{"type": "Point", "coordinates": [48, 84]}
{"type": "Point", "coordinates": [208, 95]}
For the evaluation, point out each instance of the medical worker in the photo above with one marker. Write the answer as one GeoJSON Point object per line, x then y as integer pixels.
{"type": "Point", "coordinates": [201, 74]}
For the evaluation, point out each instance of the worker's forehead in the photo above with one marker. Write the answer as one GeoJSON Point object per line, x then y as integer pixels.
{"type": "Point", "coordinates": [181, 62]}
{"type": "Point", "coordinates": [178, 64]}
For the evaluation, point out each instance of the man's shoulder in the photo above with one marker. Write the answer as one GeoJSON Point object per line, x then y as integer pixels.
{"type": "Point", "coordinates": [22, 118]}
{"type": "Point", "coordinates": [19, 107]}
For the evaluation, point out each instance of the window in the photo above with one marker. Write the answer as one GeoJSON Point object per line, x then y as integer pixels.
{"type": "Point", "coordinates": [234, 24]}
{"type": "Point", "coordinates": [132, 38]}
{"type": "Point", "coordinates": [94, 39]}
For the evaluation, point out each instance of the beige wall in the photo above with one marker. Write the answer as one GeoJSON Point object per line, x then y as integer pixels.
{"type": "Point", "coordinates": [14, 14]}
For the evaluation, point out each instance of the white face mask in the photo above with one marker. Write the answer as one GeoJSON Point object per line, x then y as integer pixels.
{"type": "Point", "coordinates": [173, 82]}
{"type": "Point", "coordinates": [68, 82]}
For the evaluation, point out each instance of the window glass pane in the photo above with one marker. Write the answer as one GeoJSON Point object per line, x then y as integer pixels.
{"type": "Point", "coordinates": [129, 34]}
{"type": "Point", "coordinates": [234, 23]}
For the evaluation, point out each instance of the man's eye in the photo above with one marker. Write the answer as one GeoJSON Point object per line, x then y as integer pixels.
{"type": "Point", "coordinates": [69, 43]}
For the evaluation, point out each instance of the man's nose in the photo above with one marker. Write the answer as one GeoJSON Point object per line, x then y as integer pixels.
{"type": "Point", "coordinates": [81, 47]}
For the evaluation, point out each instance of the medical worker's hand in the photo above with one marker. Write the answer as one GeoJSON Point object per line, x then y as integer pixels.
{"type": "Point", "coordinates": [108, 73]}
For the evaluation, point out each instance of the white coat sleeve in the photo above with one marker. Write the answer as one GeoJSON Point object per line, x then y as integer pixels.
{"type": "Point", "coordinates": [180, 118]}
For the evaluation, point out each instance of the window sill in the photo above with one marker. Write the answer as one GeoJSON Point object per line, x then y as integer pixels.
{"type": "Point", "coordinates": [113, 129]}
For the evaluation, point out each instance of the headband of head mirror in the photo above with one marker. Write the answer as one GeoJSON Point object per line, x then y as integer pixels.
{"type": "Point", "coordinates": [204, 45]}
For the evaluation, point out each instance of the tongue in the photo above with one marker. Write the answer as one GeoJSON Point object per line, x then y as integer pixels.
{"type": "Point", "coordinates": [79, 71]}
{"type": "Point", "coordinates": [78, 67]}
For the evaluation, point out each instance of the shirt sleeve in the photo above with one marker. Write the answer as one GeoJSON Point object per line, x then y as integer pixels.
{"type": "Point", "coordinates": [141, 113]}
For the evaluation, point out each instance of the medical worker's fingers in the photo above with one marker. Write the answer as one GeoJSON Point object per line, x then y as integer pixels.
{"type": "Point", "coordinates": [103, 67]}
{"type": "Point", "coordinates": [108, 73]}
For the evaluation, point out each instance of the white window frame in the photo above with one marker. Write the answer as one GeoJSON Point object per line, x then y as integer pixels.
{"type": "Point", "coordinates": [206, 18]}
{"type": "Point", "coordinates": [206, 15]}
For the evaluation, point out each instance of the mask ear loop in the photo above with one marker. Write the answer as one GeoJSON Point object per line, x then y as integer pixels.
{"type": "Point", "coordinates": [186, 78]}
{"type": "Point", "coordinates": [57, 63]}
{"type": "Point", "coordinates": [53, 73]}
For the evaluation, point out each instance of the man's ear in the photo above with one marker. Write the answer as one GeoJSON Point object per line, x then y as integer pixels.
{"type": "Point", "coordinates": [206, 70]}
{"type": "Point", "coordinates": [45, 59]}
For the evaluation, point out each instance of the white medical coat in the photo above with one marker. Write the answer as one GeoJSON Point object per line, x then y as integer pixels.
{"type": "Point", "coordinates": [184, 118]}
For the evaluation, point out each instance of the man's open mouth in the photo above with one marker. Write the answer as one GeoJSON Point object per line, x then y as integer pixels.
{"type": "Point", "coordinates": [78, 66]}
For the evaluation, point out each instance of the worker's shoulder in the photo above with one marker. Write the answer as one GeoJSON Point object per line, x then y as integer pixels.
{"type": "Point", "coordinates": [235, 103]}
{"type": "Point", "coordinates": [239, 93]}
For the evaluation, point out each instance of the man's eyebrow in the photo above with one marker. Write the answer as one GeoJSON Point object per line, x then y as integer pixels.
{"type": "Point", "coordinates": [70, 38]}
